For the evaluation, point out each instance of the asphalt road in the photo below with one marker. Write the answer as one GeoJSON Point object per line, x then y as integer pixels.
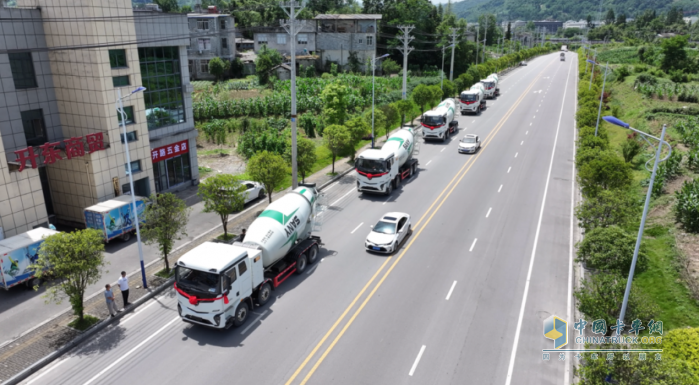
{"type": "Point", "coordinates": [462, 302]}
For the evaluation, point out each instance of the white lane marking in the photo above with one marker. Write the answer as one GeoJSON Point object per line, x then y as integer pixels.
{"type": "Point", "coordinates": [516, 154]}
{"type": "Point", "coordinates": [331, 186]}
{"type": "Point", "coordinates": [508, 170]}
{"type": "Point", "coordinates": [566, 381]}
{"type": "Point", "coordinates": [534, 117]}
{"type": "Point", "coordinates": [122, 357]}
{"type": "Point", "coordinates": [451, 290]}
{"type": "Point", "coordinates": [530, 124]}
{"type": "Point", "coordinates": [443, 149]}
{"type": "Point", "coordinates": [527, 133]}
{"type": "Point", "coordinates": [473, 244]}
{"type": "Point", "coordinates": [500, 188]}
{"type": "Point", "coordinates": [357, 228]}
{"type": "Point", "coordinates": [417, 360]}
{"type": "Point", "coordinates": [522, 141]}
{"type": "Point", "coordinates": [488, 214]}
{"type": "Point", "coordinates": [253, 323]}
{"type": "Point", "coordinates": [511, 367]}
{"type": "Point", "coordinates": [342, 197]}
{"type": "Point", "coordinates": [428, 162]}
{"type": "Point", "coordinates": [386, 201]}
{"type": "Point", "coordinates": [473, 121]}
{"type": "Point", "coordinates": [537, 110]}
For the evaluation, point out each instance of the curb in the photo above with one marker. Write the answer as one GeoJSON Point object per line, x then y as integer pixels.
{"type": "Point", "coordinates": [33, 368]}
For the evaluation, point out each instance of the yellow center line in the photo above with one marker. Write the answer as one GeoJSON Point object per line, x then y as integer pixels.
{"type": "Point", "coordinates": [466, 166]}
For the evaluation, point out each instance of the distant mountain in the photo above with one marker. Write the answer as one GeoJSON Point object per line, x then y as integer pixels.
{"type": "Point", "coordinates": [564, 9]}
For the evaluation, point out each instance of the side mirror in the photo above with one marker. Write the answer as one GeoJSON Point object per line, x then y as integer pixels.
{"type": "Point", "coordinates": [371, 226]}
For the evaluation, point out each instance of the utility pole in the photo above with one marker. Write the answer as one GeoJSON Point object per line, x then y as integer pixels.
{"type": "Point", "coordinates": [478, 30]}
{"type": "Point", "coordinates": [292, 26]}
{"type": "Point", "coordinates": [406, 39]}
{"type": "Point", "coordinates": [485, 37]}
{"type": "Point", "coordinates": [453, 47]}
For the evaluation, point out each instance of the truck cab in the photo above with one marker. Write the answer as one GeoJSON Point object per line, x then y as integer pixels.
{"type": "Point", "coordinates": [471, 102]}
{"type": "Point", "coordinates": [216, 283]}
{"type": "Point", "coordinates": [489, 85]}
{"type": "Point", "coordinates": [439, 123]}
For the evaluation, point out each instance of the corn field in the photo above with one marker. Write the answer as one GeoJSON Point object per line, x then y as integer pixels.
{"type": "Point", "coordinates": [308, 92]}
{"type": "Point", "coordinates": [669, 91]}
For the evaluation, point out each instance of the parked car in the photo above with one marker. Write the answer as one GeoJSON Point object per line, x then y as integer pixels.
{"type": "Point", "coordinates": [253, 190]}
{"type": "Point", "coordinates": [388, 233]}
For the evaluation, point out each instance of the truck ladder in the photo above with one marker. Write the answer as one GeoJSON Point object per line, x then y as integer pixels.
{"type": "Point", "coordinates": [321, 207]}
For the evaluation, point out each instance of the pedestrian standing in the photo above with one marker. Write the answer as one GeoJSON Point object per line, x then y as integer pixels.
{"type": "Point", "coordinates": [109, 296]}
{"type": "Point", "coordinates": [124, 287]}
{"type": "Point", "coordinates": [241, 237]}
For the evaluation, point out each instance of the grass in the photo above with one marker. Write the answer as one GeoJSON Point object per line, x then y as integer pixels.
{"type": "Point", "coordinates": [216, 151]}
{"type": "Point", "coordinates": [204, 171]}
{"type": "Point", "coordinates": [87, 322]}
{"type": "Point", "coordinates": [164, 274]}
{"type": "Point", "coordinates": [661, 281]}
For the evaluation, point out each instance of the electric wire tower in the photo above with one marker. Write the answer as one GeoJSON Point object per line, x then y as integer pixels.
{"type": "Point", "coordinates": [292, 27]}
{"type": "Point", "coordinates": [405, 50]}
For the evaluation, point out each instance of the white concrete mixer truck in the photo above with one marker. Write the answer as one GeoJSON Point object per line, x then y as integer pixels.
{"type": "Point", "coordinates": [381, 171]}
{"type": "Point", "coordinates": [439, 123]}
{"type": "Point", "coordinates": [496, 79]}
{"type": "Point", "coordinates": [471, 101]}
{"type": "Point", "coordinates": [218, 284]}
{"type": "Point", "coordinates": [489, 85]}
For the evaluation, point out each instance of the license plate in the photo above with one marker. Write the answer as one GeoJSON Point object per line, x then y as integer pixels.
{"type": "Point", "coordinates": [375, 248]}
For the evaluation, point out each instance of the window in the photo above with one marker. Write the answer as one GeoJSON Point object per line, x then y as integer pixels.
{"type": "Point", "coordinates": [129, 115]}
{"type": "Point", "coordinates": [223, 23]}
{"type": "Point", "coordinates": [204, 44]}
{"type": "Point", "coordinates": [172, 172]}
{"type": "Point", "coordinates": [360, 41]}
{"type": "Point", "coordinates": [191, 67]}
{"type": "Point", "coordinates": [242, 268]}
{"type": "Point", "coordinates": [369, 40]}
{"type": "Point", "coordinates": [202, 24]}
{"type": "Point", "coordinates": [302, 38]}
{"type": "Point", "coordinates": [135, 167]}
{"type": "Point", "coordinates": [261, 38]}
{"type": "Point", "coordinates": [130, 136]}
{"type": "Point", "coordinates": [22, 70]}
{"type": "Point", "coordinates": [117, 58]}
{"type": "Point", "coordinates": [161, 75]}
{"type": "Point", "coordinates": [224, 43]}
{"type": "Point", "coordinates": [120, 81]}
{"type": "Point", "coordinates": [231, 274]}
{"type": "Point", "coordinates": [281, 38]}
{"type": "Point", "coordinates": [34, 128]}
{"type": "Point", "coordinates": [204, 66]}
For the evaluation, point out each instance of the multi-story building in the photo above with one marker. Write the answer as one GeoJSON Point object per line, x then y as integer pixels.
{"type": "Point", "coordinates": [339, 35]}
{"type": "Point", "coordinates": [211, 35]}
{"type": "Point", "coordinates": [551, 26]}
{"type": "Point", "coordinates": [61, 146]}
{"type": "Point", "coordinates": [279, 39]}
{"type": "Point", "coordinates": [582, 24]}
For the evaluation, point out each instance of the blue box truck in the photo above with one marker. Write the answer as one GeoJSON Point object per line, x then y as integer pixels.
{"type": "Point", "coordinates": [17, 254]}
{"type": "Point", "coordinates": [114, 218]}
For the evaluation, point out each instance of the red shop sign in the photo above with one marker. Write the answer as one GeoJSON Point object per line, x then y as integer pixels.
{"type": "Point", "coordinates": [170, 151]}
{"type": "Point", "coordinates": [72, 148]}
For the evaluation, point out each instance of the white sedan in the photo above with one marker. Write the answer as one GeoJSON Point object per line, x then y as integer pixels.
{"type": "Point", "coordinates": [469, 144]}
{"type": "Point", "coordinates": [253, 190]}
{"type": "Point", "coordinates": [388, 234]}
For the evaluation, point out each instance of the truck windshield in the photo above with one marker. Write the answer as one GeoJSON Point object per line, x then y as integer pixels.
{"type": "Point", "coordinates": [371, 165]}
{"type": "Point", "coordinates": [385, 227]}
{"type": "Point", "coordinates": [198, 281]}
{"type": "Point", "coordinates": [432, 120]}
{"type": "Point", "coordinates": [469, 97]}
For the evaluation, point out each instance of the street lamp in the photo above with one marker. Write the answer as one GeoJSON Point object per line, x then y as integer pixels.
{"type": "Point", "coordinates": [601, 96]}
{"type": "Point", "coordinates": [592, 73]}
{"type": "Point", "coordinates": [618, 122]}
{"type": "Point", "coordinates": [442, 81]}
{"type": "Point", "coordinates": [373, 70]}
{"type": "Point", "coordinates": [120, 108]}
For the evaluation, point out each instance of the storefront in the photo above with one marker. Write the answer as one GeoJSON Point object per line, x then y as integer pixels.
{"type": "Point", "coordinates": [171, 165]}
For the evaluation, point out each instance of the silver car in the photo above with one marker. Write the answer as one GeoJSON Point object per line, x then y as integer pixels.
{"type": "Point", "coordinates": [388, 234]}
{"type": "Point", "coordinates": [469, 144]}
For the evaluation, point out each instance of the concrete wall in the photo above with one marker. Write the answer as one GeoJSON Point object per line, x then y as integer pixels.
{"type": "Point", "coordinates": [335, 47]}
{"type": "Point", "coordinates": [308, 31]}
{"type": "Point", "coordinates": [214, 33]}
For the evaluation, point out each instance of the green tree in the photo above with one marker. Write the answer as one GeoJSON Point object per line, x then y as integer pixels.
{"type": "Point", "coordinates": [608, 208]}
{"type": "Point", "coordinates": [222, 194]}
{"type": "Point", "coordinates": [305, 156]}
{"type": "Point", "coordinates": [392, 117]}
{"type": "Point", "coordinates": [422, 95]}
{"type": "Point", "coordinates": [336, 138]}
{"type": "Point", "coordinates": [601, 296]}
{"type": "Point", "coordinates": [674, 53]}
{"type": "Point", "coordinates": [611, 249]}
{"type": "Point", "coordinates": [606, 172]}
{"type": "Point", "coordinates": [610, 18]}
{"type": "Point", "coordinates": [357, 128]}
{"type": "Point", "coordinates": [687, 210]}
{"type": "Point", "coordinates": [269, 169]}
{"type": "Point", "coordinates": [218, 67]}
{"type": "Point", "coordinates": [185, 9]}
{"type": "Point", "coordinates": [335, 97]}
{"type": "Point", "coordinates": [236, 68]}
{"type": "Point", "coordinates": [379, 120]}
{"type": "Point", "coordinates": [353, 62]}
{"type": "Point", "coordinates": [166, 217]}
{"type": "Point", "coordinates": [167, 5]}
{"type": "Point", "coordinates": [508, 34]}
{"type": "Point", "coordinates": [403, 107]}
{"type": "Point", "coordinates": [436, 95]}
{"type": "Point", "coordinates": [266, 60]}
{"type": "Point", "coordinates": [448, 90]}
{"type": "Point", "coordinates": [75, 260]}
{"type": "Point", "coordinates": [390, 67]}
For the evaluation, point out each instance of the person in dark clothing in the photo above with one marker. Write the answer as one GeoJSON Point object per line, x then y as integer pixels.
{"type": "Point", "coordinates": [241, 237]}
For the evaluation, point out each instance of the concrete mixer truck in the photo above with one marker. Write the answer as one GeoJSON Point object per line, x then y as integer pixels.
{"type": "Point", "coordinates": [496, 79]}
{"type": "Point", "coordinates": [380, 171]}
{"type": "Point", "coordinates": [218, 284]}
{"type": "Point", "coordinates": [489, 85]}
{"type": "Point", "coordinates": [439, 123]}
{"type": "Point", "coordinates": [471, 101]}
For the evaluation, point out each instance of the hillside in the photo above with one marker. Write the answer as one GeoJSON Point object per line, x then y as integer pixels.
{"type": "Point", "coordinates": [563, 9]}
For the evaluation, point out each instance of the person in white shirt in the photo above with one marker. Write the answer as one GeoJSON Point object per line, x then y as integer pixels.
{"type": "Point", "coordinates": [124, 287]}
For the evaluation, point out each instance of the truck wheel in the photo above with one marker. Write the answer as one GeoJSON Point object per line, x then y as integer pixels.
{"type": "Point", "coordinates": [397, 181]}
{"type": "Point", "coordinates": [313, 255]}
{"type": "Point", "coordinates": [389, 188]}
{"type": "Point", "coordinates": [264, 294]}
{"type": "Point", "coordinates": [414, 167]}
{"type": "Point", "coordinates": [241, 314]}
{"type": "Point", "coordinates": [261, 194]}
{"type": "Point", "coordinates": [301, 263]}
{"type": "Point", "coordinates": [126, 236]}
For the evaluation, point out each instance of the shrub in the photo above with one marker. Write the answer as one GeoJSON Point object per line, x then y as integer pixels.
{"type": "Point", "coordinates": [630, 148]}
{"type": "Point", "coordinates": [640, 68]}
{"type": "Point", "coordinates": [584, 155]}
{"type": "Point", "coordinates": [605, 172]}
{"type": "Point", "coordinates": [586, 116]}
{"type": "Point", "coordinates": [683, 344]}
{"type": "Point", "coordinates": [333, 69]}
{"type": "Point", "coordinates": [622, 72]}
{"type": "Point", "coordinates": [326, 75]}
{"type": "Point", "coordinates": [693, 160]}
{"type": "Point", "coordinates": [591, 141]}
{"type": "Point", "coordinates": [687, 209]}
{"type": "Point", "coordinates": [678, 76]}
{"type": "Point", "coordinates": [608, 208]}
{"type": "Point", "coordinates": [672, 165]}
{"type": "Point", "coordinates": [610, 249]}
{"type": "Point", "coordinates": [645, 78]}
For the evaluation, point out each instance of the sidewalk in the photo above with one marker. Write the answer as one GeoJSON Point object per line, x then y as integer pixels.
{"type": "Point", "coordinates": [21, 353]}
